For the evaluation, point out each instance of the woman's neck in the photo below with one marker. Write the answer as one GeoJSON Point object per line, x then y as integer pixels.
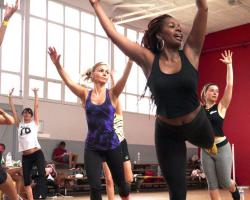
{"type": "Point", "coordinates": [27, 121]}
{"type": "Point", "coordinates": [210, 104]}
{"type": "Point", "coordinates": [99, 89]}
{"type": "Point", "coordinates": [170, 54]}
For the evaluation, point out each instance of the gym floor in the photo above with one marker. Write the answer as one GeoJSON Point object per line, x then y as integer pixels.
{"type": "Point", "coordinates": [192, 195]}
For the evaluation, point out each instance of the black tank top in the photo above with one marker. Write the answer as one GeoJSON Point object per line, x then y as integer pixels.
{"type": "Point", "coordinates": [174, 94]}
{"type": "Point", "coordinates": [216, 120]}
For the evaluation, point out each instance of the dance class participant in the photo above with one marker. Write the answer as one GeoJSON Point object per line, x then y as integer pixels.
{"type": "Point", "coordinates": [172, 76]}
{"type": "Point", "coordinates": [218, 167]}
{"type": "Point", "coordinates": [102, 141]}
{"type": "Point", "coordinates": [32, 154]}
{"type": "Point", "coordinates": [118, 126]}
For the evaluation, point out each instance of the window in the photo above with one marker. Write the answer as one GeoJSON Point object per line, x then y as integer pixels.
{"type": "Point", "coordinates": [102, 50]}
{"type": "Point", "coordinates": [37, 47]}
{"type": "Point", "coordinates": [80, 40]}
{"type": "Point", "coordinates": [69, 96]}
{"type": "Point", "coordinates": [9, 81]}
{"type": "Point", "coordinates": [87, 22]}
{"type": "Point", "coordinates": [87, 51]}
{"type": "Point", "coordinates": [33, 83]}
{"type": "Point", "coordinates": [38, 8]}
{"type": "Point", "coordinates": [55, 12]}
{"type": "Point", "coordinates": [54, 91]}
{"type": "Point", "coordinates": [12, 45]}
{"type": "Point", "coordinates": [55, 39]}
{"type": "Point", "coordinates": [72, 17]}
{"type": "Point", "coordinates": [131, 104]}
{"type": "Point", "coordinates": [71, 61]}
{"type": "Point", "coordinates": [11, 60]}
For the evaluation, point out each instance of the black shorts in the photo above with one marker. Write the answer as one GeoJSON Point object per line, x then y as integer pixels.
{"type": "Point", "coordinates": [125, 153]}
{"type": "Point", "coordinates": [3, 175]}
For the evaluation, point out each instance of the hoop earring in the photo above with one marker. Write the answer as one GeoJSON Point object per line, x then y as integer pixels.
{"type": "Point", "coordinates": [160, 44]}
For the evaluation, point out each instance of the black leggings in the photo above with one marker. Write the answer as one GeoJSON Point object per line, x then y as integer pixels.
{"type": "Point", "coordinates": [93, 165]}
{"type": "Point", "coordinates": [34, 159]}
{"type": "Point", "coordinates": [3, 176]}
{"type": "Point", "coordinates": [171, 150]}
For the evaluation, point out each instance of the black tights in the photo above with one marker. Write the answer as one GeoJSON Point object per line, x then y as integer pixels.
{"type": "Point", "coordinates": [34, 159]}
{"type": "Point", "coordinates": [93, 165]}
{"type": "Point", "coordinates": [171, 150]}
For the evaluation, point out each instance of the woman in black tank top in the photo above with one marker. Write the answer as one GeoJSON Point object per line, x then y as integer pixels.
{"type": "Point", "coordinates": [172, 78]}
{"type": "Point", "coordinates": [218, 167]}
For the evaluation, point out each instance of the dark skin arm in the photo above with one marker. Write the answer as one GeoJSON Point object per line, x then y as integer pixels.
{"type": "Point", "coordinates": [142, 56]}
{"type": "Point", "coordinates": [195, 40]}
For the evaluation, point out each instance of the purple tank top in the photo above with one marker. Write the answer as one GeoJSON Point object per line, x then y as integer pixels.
{"type": "Point", "coordinates": [100, 120]}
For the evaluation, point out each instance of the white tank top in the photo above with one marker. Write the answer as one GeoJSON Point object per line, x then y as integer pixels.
{"type": "Point", "coordinates": [118, 126]}
{"type": "Point", "coordinates": [27, 136]}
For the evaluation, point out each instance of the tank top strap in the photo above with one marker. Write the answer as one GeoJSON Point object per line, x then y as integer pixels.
{"type": "Point", "coordinates": [89, 96]}
{"type": "Point", "coordinates": [107, 100]}
{"type": "Point", "coordinates": [155, 68]}
{"type": "Point", "coordinates": [185, 61]}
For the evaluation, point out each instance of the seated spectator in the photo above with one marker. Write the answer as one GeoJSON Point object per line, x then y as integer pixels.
{"type": "Point", "coordinates": [61, 155]}
{"type": "Point", "coordinates": [2, 149]}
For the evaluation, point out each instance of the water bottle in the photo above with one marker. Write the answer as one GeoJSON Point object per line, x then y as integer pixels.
{"type": "Point", "coordinates": [9, 162]}
{"type": "Point", "coordinates": [138, 158]}
{"type": "Point", "coordinates": [241, 191]}
{"type": "Point", "coordinates": [158, 171]}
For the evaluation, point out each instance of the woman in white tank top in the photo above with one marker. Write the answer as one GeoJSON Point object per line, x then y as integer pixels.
{"type": "Point", "coordinates": [28, 143]}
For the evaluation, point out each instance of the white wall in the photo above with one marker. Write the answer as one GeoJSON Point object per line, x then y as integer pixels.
{"type": "Point", "coordinates": [68, 122]}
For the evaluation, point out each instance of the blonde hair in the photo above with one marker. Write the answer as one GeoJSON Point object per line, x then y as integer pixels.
{"type": "Point", "coordinates": [87, 76]}
{"type": "Point", "coordinates": [203, 92]}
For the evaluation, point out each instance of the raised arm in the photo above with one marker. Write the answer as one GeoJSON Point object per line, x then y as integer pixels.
{"type": "Point", "coordinates": [36, 106]}
{"type": "Point", "coordinates": [77, 89]}
{"type": "Point", "coordinates": [227, 96]}
{"type": "Point", "coordinates": [140, 55]}
{"type": "Point", "coordinates": [119, 86]}
{"type": "Point", "coordinates": [13, 109]}
{"type": "Point", "coordinates": [5, 118]}
{"type": "Point", "coordinates": [195, 40]}
{"type": "Point", "coordinates": [118, 108]}
{"type": "Point", "coordinates": [9, 11]}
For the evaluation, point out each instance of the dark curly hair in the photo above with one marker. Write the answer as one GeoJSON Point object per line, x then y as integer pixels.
{"type": "Point", "coordinates": [149, 39]}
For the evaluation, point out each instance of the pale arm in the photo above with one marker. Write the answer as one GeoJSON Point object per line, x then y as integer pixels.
{"type": "Point", "coordinates": [13, 109]}
{"type": "Point", "coordinates": [77, 89]}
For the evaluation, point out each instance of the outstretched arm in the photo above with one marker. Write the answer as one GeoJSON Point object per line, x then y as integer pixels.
{"type": "Point", "coordinates": [9, 11]}
{"type": "Point", "coordinates": [13, 109]}
{"type": "Point", "coordinates": [36, 106]}
{"type": "Point", "coordinates": [77, 89]}
{"type": "Point", "coordinates": [227, 96]}
{"type": "Point", "coordinates": [140, 55]}
{"type": "Point", "coordinates": [5, 118]}
{"type": "Point", "coordinates": [195, 40]}
{"type": "Point", "coordinates": [119, 86]}
{"type": "Point", "coordinates": [118, 109]}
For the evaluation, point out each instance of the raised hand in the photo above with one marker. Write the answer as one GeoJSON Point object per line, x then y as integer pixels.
{"type": "Point", "coordinates": [11, 92]}
{"type": "Point", "coordinates": [35, 90]}
{"type": "Point", "coordinates": [94, 2]}
{"type": "Point", "coordinates": [55, 58]}
{"type": "Point", "coordinates": [227, 57]}
{"type": "Point", "coordinates": [10, 10]}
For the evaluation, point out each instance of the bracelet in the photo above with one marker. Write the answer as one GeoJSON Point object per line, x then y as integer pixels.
{"type": "Point", "coordinates": [5, 23]}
